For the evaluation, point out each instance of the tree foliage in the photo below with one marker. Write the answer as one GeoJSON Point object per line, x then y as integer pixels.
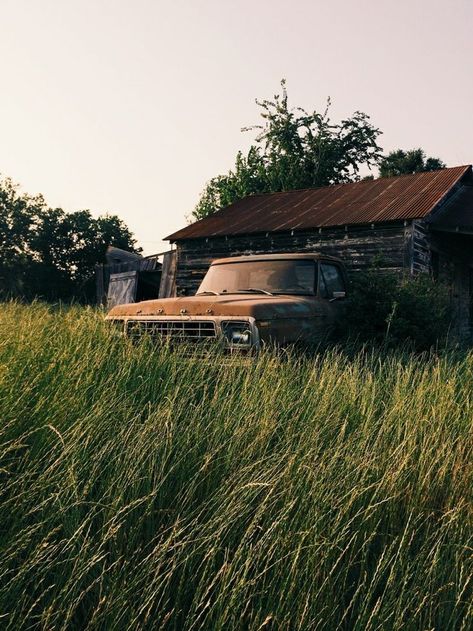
{"type": "Point", "coordinates": [402, 162]}
{"type": "Point", "coordinates": [49, 253]}
{"type": "Point", "coordinates": [294, 149]}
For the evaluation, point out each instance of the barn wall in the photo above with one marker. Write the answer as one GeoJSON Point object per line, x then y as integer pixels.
{"type": "Point", "coordinates": [454, 266]}
{"type": "Point", "coordinates": [357, 246]}
{"type": "Point", "coordinates": [421, 256]}
{"type": "Point", "coordinates": [146, 265]}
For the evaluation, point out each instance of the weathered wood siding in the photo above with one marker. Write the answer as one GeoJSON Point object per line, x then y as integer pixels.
{"type": "Point", "coordinates": [421, 260]}
{"type": "Point", "coordinates": [455, 268]}
{"type": "Point", "coordinates": [167, 288]}
{"type": "Point", "coordinates": [358, 246]}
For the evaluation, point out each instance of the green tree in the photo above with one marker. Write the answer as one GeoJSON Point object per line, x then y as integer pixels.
{"type": "Point", "coordinates": [70, 245]}
{"type": "Point", "coordinates": [19, 219]}
{"type": "Point", "coordinates": [49, 253]}
{"type": "Point", "coordinates": [402, 162]}
{"type": "Point", "coordinates": [294, 149]}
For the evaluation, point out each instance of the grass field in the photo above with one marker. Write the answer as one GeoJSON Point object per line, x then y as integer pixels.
{"type": "Point", "coordinates": [144, 490]}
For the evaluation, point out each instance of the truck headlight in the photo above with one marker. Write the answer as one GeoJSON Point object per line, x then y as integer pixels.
{"type": "Point", "coordinates": [237, 333]}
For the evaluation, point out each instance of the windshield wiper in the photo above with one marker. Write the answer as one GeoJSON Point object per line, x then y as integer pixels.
{"type": "Point", "coordinates": [209, 291]}
{"type": "Point", "coordinates": [256, 290]}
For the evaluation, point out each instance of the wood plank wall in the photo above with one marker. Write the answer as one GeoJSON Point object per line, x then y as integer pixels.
{"type": "Point", "coordinates": [455, 268]}
{"type": "Point", "coordinates": [167, 288]}
{"type": "Point", "coordinates": [421, 248]}
{"type": "Point", "coordinates": [358, 246]}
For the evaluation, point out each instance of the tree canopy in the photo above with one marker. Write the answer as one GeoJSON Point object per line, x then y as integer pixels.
{"type": "Point", "coordinates": [294, 149]}
{"type": "Point", "coordinates": [402, 162]}
{"type": "Point", "coordinates": [49, 253]}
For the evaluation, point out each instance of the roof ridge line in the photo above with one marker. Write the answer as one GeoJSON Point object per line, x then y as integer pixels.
{"type": "Point", "coordinates": [391, 177]}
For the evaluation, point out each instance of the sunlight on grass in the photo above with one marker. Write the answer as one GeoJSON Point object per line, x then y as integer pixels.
{"type": "Point", "coordinates": [146, 489]}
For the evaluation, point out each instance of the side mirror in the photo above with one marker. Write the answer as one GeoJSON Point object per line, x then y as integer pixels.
{"type": "Point", "coordinates": [338, 295]}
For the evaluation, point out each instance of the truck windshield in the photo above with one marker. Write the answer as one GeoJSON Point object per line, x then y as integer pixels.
{"type": "Point", "coordinates": [296, 276]}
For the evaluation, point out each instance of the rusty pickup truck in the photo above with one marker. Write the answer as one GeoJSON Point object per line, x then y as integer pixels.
{"type": "Point", "coordinates": [244, 302]}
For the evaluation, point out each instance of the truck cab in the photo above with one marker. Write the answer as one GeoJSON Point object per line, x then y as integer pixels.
{"type": "Point", "coordinates": [244, 302]}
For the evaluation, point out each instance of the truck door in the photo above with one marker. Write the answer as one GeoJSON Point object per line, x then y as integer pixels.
{"type": "Point", "coordinates": [332, 287]}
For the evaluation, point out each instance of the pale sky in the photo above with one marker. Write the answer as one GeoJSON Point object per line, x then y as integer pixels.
{"type": "Point", "coordinates": [131, 106]}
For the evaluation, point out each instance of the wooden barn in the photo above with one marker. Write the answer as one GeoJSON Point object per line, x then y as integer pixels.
{"type": "Point", "coordinates": [129, 277]}
{"type": "Point", "coordinates": [420, 223]}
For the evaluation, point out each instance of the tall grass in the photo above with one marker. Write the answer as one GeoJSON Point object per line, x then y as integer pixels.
{"type": "Point", "coordinates": [141, 489]}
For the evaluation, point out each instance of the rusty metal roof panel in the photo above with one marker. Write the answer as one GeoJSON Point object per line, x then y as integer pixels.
{"type": "Point", "coordinates": [370, 201]}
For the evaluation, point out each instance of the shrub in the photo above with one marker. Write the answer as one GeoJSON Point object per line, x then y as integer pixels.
{"type": "Point", "coordinates": [384, 307]}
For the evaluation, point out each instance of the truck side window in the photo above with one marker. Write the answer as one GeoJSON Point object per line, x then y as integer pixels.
{"type": "Point", "coordinates": [331, 279]}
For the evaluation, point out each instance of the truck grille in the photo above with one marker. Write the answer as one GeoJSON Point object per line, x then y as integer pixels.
{"type": "Point", "coordinates": [175, 330]}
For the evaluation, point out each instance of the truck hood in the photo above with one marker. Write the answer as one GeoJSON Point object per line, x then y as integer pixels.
{"type": "Point", "coordinates": [260, 307]}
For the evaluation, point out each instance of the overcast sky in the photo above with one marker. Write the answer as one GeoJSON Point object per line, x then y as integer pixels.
{"type": "Point", "coordinates": [131, 106]}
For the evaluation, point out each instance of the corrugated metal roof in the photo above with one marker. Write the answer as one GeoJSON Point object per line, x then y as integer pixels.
{"type": "Point", "coordinates": [369, 201]}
